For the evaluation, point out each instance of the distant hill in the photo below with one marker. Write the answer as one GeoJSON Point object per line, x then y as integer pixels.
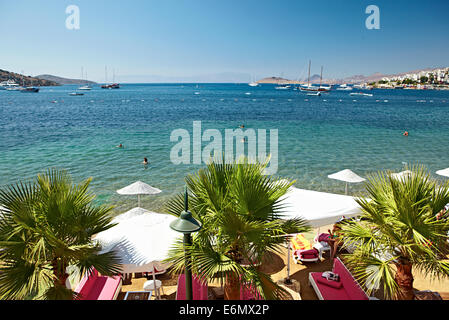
{"type": "Point", "coordinates": [61, 80]}
{"type": "Point", "coordinates": [26, 80]}
{"type": "Point", "coordinates": [359, 78]}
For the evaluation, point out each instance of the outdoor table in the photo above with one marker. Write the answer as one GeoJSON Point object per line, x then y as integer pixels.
{"type": "Point", "coordinates": [138, 295]}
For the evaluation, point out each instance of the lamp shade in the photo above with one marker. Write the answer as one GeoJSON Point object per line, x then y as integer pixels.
{"type": "Point", "coordinates": [186, 223]}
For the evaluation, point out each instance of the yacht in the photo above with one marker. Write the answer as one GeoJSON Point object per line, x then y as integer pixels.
{"type": "Point", "coordinates": [360, 94]}
{"type": "Point", "coordinates": [86, 87]}
{"type": "Point", "coordinates": [253, 83]}
{"type": "Point", "coordinates": [29, 89]}
{"type": "Point", "coordinates": [344, 87]}
{"type": "Point", "coordinates": [283, 87]}
{"type": "Point", "coordinates": [309, 87]}
{"type": "Point", "coordinates": [9, 85]}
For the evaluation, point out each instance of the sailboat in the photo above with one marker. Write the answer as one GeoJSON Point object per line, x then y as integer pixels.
{"type": "Point", "coordinates": [85, 87]}
{"type": "Point", "coordinates": [313, 88]}
{"type": "Point", "coordinates": [253, 83]}
{"type": "Point", "coordinates": [112, 85]}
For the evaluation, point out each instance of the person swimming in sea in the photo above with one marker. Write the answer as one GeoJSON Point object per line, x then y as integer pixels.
{"type": "Point", "coordinates": [145, 161]}
{"type": "Point", "coordinates": [405, 134]}
{"type": "Point", "coordinates": [120, 146]}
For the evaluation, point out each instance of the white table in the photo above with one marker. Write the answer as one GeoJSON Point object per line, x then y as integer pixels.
{"type": "Point", "coordinates": [137, 293]}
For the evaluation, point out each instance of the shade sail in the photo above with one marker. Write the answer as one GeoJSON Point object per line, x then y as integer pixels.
{"type": "Point", "coordinates": [318, 208]}
{"type": "Point", "coordinates": [346, 176]}
{"type": "Point", "coordinates": [138, 188]}
{"type": "Point", "coordinates": [444, 172]}
{"type": "Point", "coordinates": [141, 241]}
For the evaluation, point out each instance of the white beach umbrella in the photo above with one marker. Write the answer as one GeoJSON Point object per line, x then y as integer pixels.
{"type": "Point", "coordinates": [347, 176]}
{"type": "Point", "coordinates": [141, 240]}
{"type": "Point", "coordinates": [138, 188]}
{"type": "Point", "coordinates": [444, 173]}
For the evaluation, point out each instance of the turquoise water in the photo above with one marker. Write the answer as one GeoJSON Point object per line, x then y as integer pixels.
{"type": "Point", "coordinates": [317, 137]}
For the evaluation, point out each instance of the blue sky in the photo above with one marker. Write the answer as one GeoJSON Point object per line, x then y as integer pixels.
{"type": "Point", "coordinates": [188, 38]}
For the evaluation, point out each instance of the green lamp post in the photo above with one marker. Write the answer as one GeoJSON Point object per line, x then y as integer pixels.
{"type": "Point", "coordinates": [187, 224]}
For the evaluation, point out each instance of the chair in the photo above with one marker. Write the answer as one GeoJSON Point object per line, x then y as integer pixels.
{"type": "Point", "coordinates": [302, 250]}
{"type": "Point", "coordinates": [321, 244]}
{"type": "Point", "coordinates": [347, 288]}
{"type": "Point", "coordinates": [97, 287]}
{"type": "Point", "coordinates": [199, 288]}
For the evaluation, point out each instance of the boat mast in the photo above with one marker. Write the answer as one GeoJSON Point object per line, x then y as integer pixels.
{"type": "Point", "coordinates": [308, 78]}
{"type": "Point", "coordinates": [321, 76]}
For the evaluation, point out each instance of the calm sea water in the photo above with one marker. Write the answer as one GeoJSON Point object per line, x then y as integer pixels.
{"type": "Point", "coordinates": [317, 135]}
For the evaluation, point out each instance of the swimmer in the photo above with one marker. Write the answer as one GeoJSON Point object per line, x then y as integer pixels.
{"type": "Point", "coordinates": [242, 126]}
{"type": "Point", "coordinates": [145, 161]}
{"type": "Point", "coordinates": [120, 146]}
{"type": "Point", "coordinates": [405, 134]}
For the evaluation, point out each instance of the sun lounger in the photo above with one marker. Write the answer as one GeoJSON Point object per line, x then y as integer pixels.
{"type": "Point", "coordinates": [347, 288]}
{"type": "Point", "coordinates": [199, 289]}
{"type": "Point", "coordinates": [302, 250]}
{"type": "Point", "coordinates": [97, 287]}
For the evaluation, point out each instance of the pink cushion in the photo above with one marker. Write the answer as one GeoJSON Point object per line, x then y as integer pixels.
{"type": "Point", "coordinates": [350, 289]}
{"type": "Point", "coordinates": [308, 256]}
{"type": "Point", "coordinates": [333, 284]}
{"type": "Point", "coordinates": [323, 237]}
{"type": "Point", "coordinates": [310, 252]}
{"type": "Point", "coordinates": [98, 287]}
{"type": "Point", "coordinates": [350, 284]}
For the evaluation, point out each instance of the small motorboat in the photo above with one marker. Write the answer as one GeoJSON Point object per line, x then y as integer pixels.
{"type": "Point", "coordinates": [76, 94]}
{"type": "Point", "coordinates": [314, 94]}
{"type": "Point", "coordinates": [361, 94]}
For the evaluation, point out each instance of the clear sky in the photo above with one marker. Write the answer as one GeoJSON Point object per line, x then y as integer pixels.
{"type": "Point", "coordinates": [181, 38]}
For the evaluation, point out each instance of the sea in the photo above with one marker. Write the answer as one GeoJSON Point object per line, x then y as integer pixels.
{"type": "Point", "coordinates": [317, 135]}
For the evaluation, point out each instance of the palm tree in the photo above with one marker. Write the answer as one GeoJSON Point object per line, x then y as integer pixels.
{"type": "Point", "coordinates": [398, 231]}
{"type": "Point", "coordinates": [46, 226]}
{"type": "Point", "coordinates": [239, 209]}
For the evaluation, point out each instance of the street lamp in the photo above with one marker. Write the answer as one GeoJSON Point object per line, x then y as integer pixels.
{"type": "Point", "coordinates": [186, 224]}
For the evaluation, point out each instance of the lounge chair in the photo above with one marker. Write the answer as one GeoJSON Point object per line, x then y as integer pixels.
{"type": "Point", "coordinates": [97, 287]}
{"type": "Point", "coordinates": [302, 250]}
{"type": "Point", "coordinates": [199, 289]}
{"type": "Point", "coordinates": [347, 288]}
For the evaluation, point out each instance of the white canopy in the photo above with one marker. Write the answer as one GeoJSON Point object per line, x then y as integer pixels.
{"type": "Point", "coordinates": [444, 172]}
{"type": "Point", "coordinates": [346, 176]}
{"type": "Point", "coordinates": [141, 239]}
{"type": "Point", "coordinates": [138, 188]}
{"type": "Point", "coordinates": [318, 208]}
